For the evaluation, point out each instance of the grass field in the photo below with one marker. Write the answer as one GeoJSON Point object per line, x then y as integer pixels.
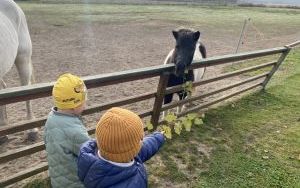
{"type": "Point", "coordinates": [253, 142]}
{"type": "Point", "coordinates": [210, 17]}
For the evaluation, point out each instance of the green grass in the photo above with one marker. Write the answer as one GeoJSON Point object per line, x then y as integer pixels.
{"type": "Point", "coordinates": [230, 19]}
{"type": "Point", "coordinates": [254, 143]}
{"type": "Point", "coordinates": [39, 183]}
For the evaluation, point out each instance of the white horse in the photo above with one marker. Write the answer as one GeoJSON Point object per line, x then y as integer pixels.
{"type": "Point", "coordinates": [15, 48]}
{"type": "Point", "coordinates": [187, 49]}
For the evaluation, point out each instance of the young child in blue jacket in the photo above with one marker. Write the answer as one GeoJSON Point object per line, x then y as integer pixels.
{"type": "Point", "coordinates": [115, 159]}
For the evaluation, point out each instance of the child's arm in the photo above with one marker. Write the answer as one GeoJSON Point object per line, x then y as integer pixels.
{"type": "Point", "coordinates": [86, 148]}
{"type": "Point", "coordinates": [78, 140]}
{"type": "Point", "coordinates": [151, 145]}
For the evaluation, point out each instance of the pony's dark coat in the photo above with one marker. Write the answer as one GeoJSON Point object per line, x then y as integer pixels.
{"type": "Point", "coordinates": [187, 49]}
{"type": "Point", "coordinates": [181, 79]}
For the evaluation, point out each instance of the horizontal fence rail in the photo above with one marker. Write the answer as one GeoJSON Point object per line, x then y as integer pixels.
{"type": "Point", "coordinates": [30, 124]}
{"type": "Point", "coordinates": [294, 44]}
{"type": "Point", "coordinates": [42, 167]}
{"type": "Point", "coordinates": [219, 99]}
{"type": "Point", "coordinates": [222, 76]}
{"type": "Point", "coordinates": [169, 106]}
{"type": "Point", "coordinates": [34, 148]}
{"type": "Point", "coordinates": [22, 93]}
{"type": "Point", "coordinates": [18, 94]}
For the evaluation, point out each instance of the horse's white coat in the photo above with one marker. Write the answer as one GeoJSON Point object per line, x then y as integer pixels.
{"type": "Point", "coordinates": [15, 48]}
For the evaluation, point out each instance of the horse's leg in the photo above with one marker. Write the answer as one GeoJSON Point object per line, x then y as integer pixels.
{"type": "Point", "coordinates": [168, 98]}
{"type": "Point", "coordinates": [182, 95]}
{"type": "Point", "coordinates": [3, 114]}
{"type": "Point", "coordinates": [24, 67]}
{"type": "Point", "coordinates": [178, 108]}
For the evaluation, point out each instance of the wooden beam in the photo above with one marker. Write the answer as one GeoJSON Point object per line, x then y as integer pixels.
{"type": "Point", "coordinates": [28, 150]}
{"type": "Point", "coordinates": [161, 89]}
{"type": "Point", "coordinates": [23, 93]}
{"type": "Point", "coordinates": [30, 124]}
{"type": "Point", "coordinates": [24, 174]}
{"type": "Point", "coordinates": [146, 113]}
{"type": "Point", "coordinates": [294, 44]}
{"type": "Point", "coordinates": [218, 100]}
{"type": "Point", "coordinates": [221, 77]}
{"type": "Point", "coordinates": [120, 102]}
{"type": "Point", "coordinates": [21, 152]}
{"type": "Point", "coordinates": [22, 126]}
{"type": "Point", "coordinates": [275, 68]}
{"type": "Point", "coordinates": [235, 57]}
{"type": "Point", "coordinates": [34, 91]}
{"type": "Point", "coordinates": [181, 102]}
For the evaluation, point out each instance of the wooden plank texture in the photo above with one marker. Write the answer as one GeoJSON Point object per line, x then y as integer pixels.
{"type": "Point", "coordinates": [162, 85]}
{"type": "Point", "coordinates": [23, 93]}
{"type": "Point", "coordinates": [24, 174]}
{"type": "Point", "coordinates": [275, 68]}
{"type": "Point", "coordinates": [30, 124]}
{"type": "Point", "coordinates": [218, 100]}
{"type": "Point", "coordinates": [251, 79]}
{"type": "Point", "coordinates": [221, 77]}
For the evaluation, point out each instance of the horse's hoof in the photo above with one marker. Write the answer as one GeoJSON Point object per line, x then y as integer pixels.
{"type": "Point", "coordinates": [3, 139]}
{"type": "Point", "coordinates": [3, 122]}
{"type": "Point", "coordinates": [30, 117]}
{"type": "Point", "coordinates": [32, 136]}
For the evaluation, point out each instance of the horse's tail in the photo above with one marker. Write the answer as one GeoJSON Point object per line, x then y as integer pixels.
{"type": "Point", "coordinates": [202, 50]}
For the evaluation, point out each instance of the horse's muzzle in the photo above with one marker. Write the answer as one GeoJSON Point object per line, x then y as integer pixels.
{"type": "Point", "coordinates": [179, 69]}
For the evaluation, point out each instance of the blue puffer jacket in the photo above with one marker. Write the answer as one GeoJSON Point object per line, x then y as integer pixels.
{"type": "Point", "coordinates": [96, 172]}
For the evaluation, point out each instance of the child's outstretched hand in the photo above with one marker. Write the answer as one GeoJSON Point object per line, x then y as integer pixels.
{"type": "Point", "coordinates": [163, 133]}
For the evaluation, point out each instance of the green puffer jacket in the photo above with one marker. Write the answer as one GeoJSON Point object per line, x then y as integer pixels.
{"type": "Point", "coordinates": [63, 136]}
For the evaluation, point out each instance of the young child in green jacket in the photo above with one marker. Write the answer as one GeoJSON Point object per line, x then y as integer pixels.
{"type": "Point", "coordinates": [65, 132]}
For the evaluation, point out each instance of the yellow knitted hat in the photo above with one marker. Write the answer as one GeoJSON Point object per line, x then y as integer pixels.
{"type": "Point", "coordinates": [119, 135]}
{"type": "Point", "coordinates": [68, 92]}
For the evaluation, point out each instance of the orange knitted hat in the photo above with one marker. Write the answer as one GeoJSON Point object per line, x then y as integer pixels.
{"type": "Point", "coordinates": [119, 134]}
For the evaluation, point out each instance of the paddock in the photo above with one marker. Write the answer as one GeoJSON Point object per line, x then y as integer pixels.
{"type": "Point", "coordinates": [18, 94]}
{"type": "Point", "coordinates": [56, 41]}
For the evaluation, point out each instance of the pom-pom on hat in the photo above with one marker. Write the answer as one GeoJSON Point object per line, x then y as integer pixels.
{"type": "Point", "coordinates": [119, 135]}
{"type": "Point", "coordinates": [69, 91]}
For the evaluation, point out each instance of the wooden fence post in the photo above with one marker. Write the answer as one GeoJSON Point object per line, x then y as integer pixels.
{"type": "Point", "coordinates": [161, 89]}
{"type": "Point", "coordinates": [276, 66]}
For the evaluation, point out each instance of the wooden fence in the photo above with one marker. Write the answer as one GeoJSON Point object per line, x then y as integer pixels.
{"type": "Point", "coordinates": [23, 93]}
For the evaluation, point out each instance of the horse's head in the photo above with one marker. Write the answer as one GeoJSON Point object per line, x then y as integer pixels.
{"type": "Point", "coordinates": [186, 40]}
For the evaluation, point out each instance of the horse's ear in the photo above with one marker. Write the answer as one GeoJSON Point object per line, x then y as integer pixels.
{"type": "Point", "coordinates": [175, 34]}
{"type": "Point", "coordinates": [196, 35]}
